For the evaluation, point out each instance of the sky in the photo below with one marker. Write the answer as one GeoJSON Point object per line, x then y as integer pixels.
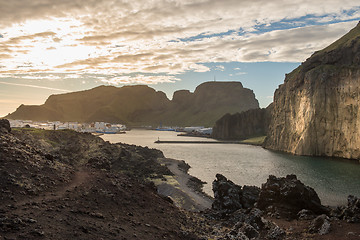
{"type": "Point", "coordinates": [58, 46]}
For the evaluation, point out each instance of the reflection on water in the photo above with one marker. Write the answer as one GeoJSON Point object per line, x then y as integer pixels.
{"type": "Point", "coordinates": [332, 179]}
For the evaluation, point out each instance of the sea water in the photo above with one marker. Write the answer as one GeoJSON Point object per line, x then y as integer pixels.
{"type": "Point", "coordinates": [332, 179]}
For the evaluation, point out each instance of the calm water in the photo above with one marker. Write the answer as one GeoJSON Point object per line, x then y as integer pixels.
{"type": "Point", "coordinates": [332, 179]}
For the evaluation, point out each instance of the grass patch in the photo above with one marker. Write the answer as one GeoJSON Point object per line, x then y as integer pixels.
{"type": "Point", "coordinates": [169, 180]}
{"type": "Point", "coordinates": [344, 41]}
{"type": "Point", "coordinates": [29, 130]}
{"type": "Point", "coordinates": [255, 141]}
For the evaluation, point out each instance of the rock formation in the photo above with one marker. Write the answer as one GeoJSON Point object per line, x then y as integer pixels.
{"type": "Point", "coordinates": [5, 126]}
{"type": "Point", "coordinates": [316, 111]}
{"type": "Point", "coordinates": [229, 197]}
{"type": "Point", "coordinates": [351, 212]}
{"type": "Point", "coordinates": [287, 196]}
{"type": "Point", "coordinates": [251, 123]}
{"type": "Point", "coordinates": [142, 105]}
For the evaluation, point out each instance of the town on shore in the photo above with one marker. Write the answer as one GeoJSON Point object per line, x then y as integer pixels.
{"type": "Point", "coordinates": [105, 128]}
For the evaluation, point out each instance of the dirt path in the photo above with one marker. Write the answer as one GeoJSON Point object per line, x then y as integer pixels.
{"type": "Point", "coordinates": [81, 176]}
{"type": "Point", "coordinates": [190, 196]}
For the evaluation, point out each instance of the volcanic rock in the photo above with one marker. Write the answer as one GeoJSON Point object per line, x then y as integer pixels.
{"type": "Point", "coordinates": [5, 126]}
{"type": "Point", "coordinates": [287, 196]}
{"type": "Point", "coordinates": [351, 212]}
{"type": "Point", "coordinates": [230, 197]}
{"type": "Point", "coordinates": [321, 225]}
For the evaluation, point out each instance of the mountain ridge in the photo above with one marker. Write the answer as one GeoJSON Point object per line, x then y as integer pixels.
{"type": "Point", "coordinates": [142, 105]}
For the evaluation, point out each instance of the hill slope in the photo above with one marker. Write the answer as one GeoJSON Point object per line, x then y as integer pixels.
{"type": "Point", "coordinates": [316, 111]}
{"type": "Point", "coordinates": [142, 105]}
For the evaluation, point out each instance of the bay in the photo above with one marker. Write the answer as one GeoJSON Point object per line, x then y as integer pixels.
{"type": "Point", "coordinates": [332, 179]}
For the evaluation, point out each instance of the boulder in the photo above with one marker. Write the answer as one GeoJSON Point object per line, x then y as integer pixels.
{"type": "Point", "coordinates": [305, 215]}
{"type": "Point", "coordinates": [287, 196]}
{"type": "Point", "coordinates": [5, 126]}
{"type": "Point", "coordinates": [321, 225]}
{"type": "Point", "coordinates": [250, 195]}
{"type": "Point", "coordinates": [227, 194]}
{"type": "Point", "coordinates": [230, 197]}
{"type": "Point", "coordinates": [351, 213]}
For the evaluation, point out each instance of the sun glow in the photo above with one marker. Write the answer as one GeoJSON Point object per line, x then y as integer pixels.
{"type": "Point", "coordinates": [45, 44]}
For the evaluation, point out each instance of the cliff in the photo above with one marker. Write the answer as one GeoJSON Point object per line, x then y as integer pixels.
{"type": "Point", "coordinates": [208, 103]}
{"type": "Point", "coordinates": [142, 105]}
{"type": "Point", "coordinates": [316, 111]}
{"type": "Point", "coordinates": [251, 123]}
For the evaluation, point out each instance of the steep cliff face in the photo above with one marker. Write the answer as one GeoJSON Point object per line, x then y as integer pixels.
{"type": "Point", "coordinates": [317, 109]}
{"type": "Point", "coordinates": [142, 105]}
{"type": "Point", "coordinates": [251, 123]}
{"type": "Point", "coordinates": [209, 102]}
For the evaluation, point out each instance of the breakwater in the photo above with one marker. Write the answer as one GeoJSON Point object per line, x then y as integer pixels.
{"type": "Point", "coordinates": [199, 142]}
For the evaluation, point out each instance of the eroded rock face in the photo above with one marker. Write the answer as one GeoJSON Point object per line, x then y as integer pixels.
{"type": "Point", "coordinates": [316, 111]}
{"type": "Point", "coordinates": [287, 196]}
{"type": "Point", "coordinates": [254, 122]}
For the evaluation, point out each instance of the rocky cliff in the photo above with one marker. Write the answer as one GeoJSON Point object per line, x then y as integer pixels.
{"type": "Point", "coordinates": [208, 103]}
{"type": "Point", "coordinates": [142, 105]}
{"type": "Point", "coordinates": [316, 111]}
{"type": "Point", "coordinates": [251, 123]}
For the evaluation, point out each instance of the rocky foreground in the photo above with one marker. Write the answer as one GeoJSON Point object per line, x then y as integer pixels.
{"type": "Point", "coordinates": [64, 185]}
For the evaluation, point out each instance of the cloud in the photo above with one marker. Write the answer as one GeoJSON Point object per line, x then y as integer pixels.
{"type": "Point", "coordinates": [164, 37]}
{"type": "Point", "coordinates": [5, 56]}
{"type": "Point", "coordinates": [219, 68]}
{"type": "Point", "coordinates": [17, 40]}
{"type": "Point", "coordinates": [240, 73]}
{"type": "Point", "coordinates": [34, 86]}
{"type": "Point", "coordinates": [139, 79]}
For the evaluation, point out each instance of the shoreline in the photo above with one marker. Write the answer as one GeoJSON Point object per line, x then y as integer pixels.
{"type": "Point", "coordinates": [182, 188]}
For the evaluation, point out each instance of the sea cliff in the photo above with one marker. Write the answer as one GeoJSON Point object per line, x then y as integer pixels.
{"type": "Point", "coordinates": [238, 126]}
{"type": "Point", "coordinates": [316, 111]}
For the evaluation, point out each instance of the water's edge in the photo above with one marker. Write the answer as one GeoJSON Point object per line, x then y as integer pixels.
{"type": "Point", "coordinates": [332, 179]}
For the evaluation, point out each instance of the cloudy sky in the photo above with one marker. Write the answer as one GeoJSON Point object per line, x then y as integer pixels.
{"type": "Point", "coordinates": [56, 46]}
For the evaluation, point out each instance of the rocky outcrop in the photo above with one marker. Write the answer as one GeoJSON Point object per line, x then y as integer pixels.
{"type": "Point", "coordinates": [351, 212]}
{"type": "Point", "coordinates": [142, 105]}
{"type": "Point", "coordinates": [276, 215]}
{"type": "Point", "coordinates": [321, 225]}
{"type": "Point", "coordinates": [251, 123]}
{"type": "Point", "coordinates": [5, 126]}
{"type": "Point", "coordinates": [287, 196]}
{"type": "Point", "coordinates": [230, 197]}
{"type": "Point", "coordinates": [316, 111]}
